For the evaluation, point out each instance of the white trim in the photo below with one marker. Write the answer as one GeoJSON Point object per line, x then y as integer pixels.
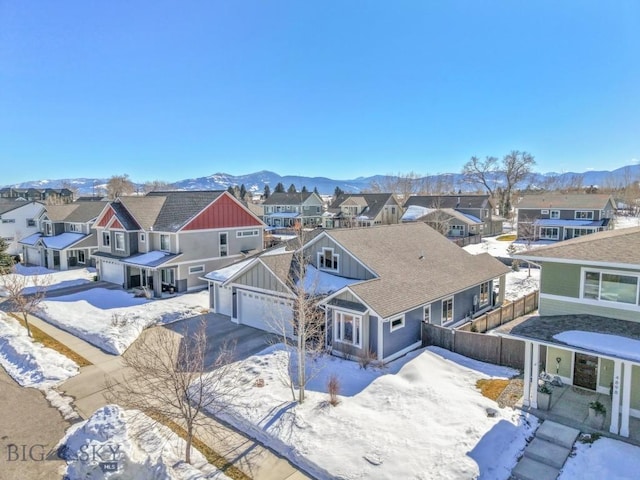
{"type": "Point", "coordinates": [264, 291]}
{"type": "Point", "coordinates": [551, 213]}
{"type": "Point", "coordinates": [397, 327]}
{"type": "Point", "coordinates": [338, 317]}
{"type": "Point", "coordinates": [115, 243]}
{"type": "Point", "coordinates": [200, 269]}
{"type": "Point", "coordinates": [535, 371]}
{"type": "Point", "coordinates": [575, 214]}
{"type": "Point", "coordinates": [335, 258]}
{"type": "Point", "coordinates": [443, 320]}
{"type": "Point", "coordinates": [160, 242]}
{"type": "Point", "coordinates": [424, 308]}
{"type": "Point", "coordinates": [402, 352]}
{"type": "Point", "coordinates": [226, 245]}
{"type": "Point", "coordinates": [533, 259]}
{"type": "Point", "coordinates": [526, 399]}
{"type": "Point", "coordinates": [583, 270]}
{"type": "Point", "coordinates": [254, 232]}
{"type": "Point", "coordinates": [380, 342]}
{"type": "Point", "coordinates": [626, 398]}
{"type": "Point", "coordinates": [595, 303]}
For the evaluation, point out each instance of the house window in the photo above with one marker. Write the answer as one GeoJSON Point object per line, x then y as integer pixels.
{"type": "Point", "coordinates": [584, 215]}
{"type": "Point", "coordinates": [48, 230]}
{"type": "Point", "coordinates": [224, 247]}
{"type": "Point", "coordinates": [142, 237]}
{"type": "Point", "coordinates": [393, 210]}
{"type": "Point", "coordinates": [610, 287]}
{"type": "Point", "coordinates": [347, 328]}
{"type": "Point", "coordinates": [247, 233]}
{"type": "Point", "coordinates": [328, 260]}
{"type": "Point", "coordinates": [397, 323]}
{"type": "Point", "coordinates": [555, 214]}
{"type": "Point", "coordinates": [426, 315]}
{"type": "Point", "coordinates": [544, 212]}
{"type": "Point", "coordinates": [196, 269]}
{"type": "Point", "coordinates": [8, 220]}
{"type": "Point", "coordinates": [31, 222]}
{"type": "Point", "coordinates": [165, 244]}
{"type": "Point", "coordinates": [81, 256]}
{"type": "Point", "coordinates": [447, 310]}
{"type": "Point", "coordinates": [549, 233]}
{"type": "Point", "coordinates": [106, 239]}
{"type": "Point", "coordinates": [119, 239]}
{"type": "Point", "coordinates": [74, 227]}
{"type": "Point", "coordinates": [168, 276]}
{"type": "Point", "coordinates": [484, 293]}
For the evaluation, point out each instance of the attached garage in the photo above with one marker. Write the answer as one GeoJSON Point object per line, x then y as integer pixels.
{"type": "Point", "coordinates": [32, 256]}
{"type": "Point", "coordinates": [224, 300]}
{"type": "Point", "coordinates": [112, 272]}
{"type": "Point", "coordinates": [265, 312]}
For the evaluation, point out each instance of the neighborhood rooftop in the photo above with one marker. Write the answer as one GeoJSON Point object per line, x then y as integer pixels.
{"type": "Point", "coordinates": [572, 201]}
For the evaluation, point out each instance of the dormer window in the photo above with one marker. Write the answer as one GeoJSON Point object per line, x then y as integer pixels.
{"type": "Point", "coordinates": [119, 241]}
{"type": "Point", "coordinates": [328, 260]}
{"type": "Point", "coordinates": [165, 244]}
{"type": "Point", "coordinates": [106, 239]}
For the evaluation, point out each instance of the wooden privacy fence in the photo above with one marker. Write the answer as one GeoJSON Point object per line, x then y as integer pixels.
{"type": "Point", "coordinates": [464, 241]}
{"type": "Point", "coordinates": [504, 314]}
{"type": "Point", "coordinates": [486, 348]}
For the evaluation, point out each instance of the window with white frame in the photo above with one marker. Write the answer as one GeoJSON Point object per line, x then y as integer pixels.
{"type": "Point", "coordinates": [31, 222]}
{"type": "Point", "coordinates": [447, 310]}
{"type": "Point", "coordinates": [555, 214]}
{"type": "Point", "coordinates": [106, 239]}
{"type": "Point", "coordinates": [484, 293]}
{"type": "Point", "coordinates": [119, 240]}
{"type": "Point", "coordinates": [426, 314]}
{"type": "Point", "coordinates": [196, 269]}
{"type": "Point", "coordinates": [544, 212]}
{"type": "Point", "coordinates": [610, 286]}
{"type": "Point", "coordinates": [8, 220]}
{"type": "Point", "coordinates": [328, 259]}
{"type": "Point", "coordinates": [74, 227]}
{"type": "Point", "coordinates": [347, 328]}
{"type": "Point", "coordinates": [584, 215]}
{"type": "Point", "coordinates": [81, 256]}
{"type": "Point", "coordinates": [247, 233]}
{"type": "Point", "coordinates": [396, 323]}
{"type": "Point", "coordinates": [224, 244]}
{"type": "Point", "coordinates": [142, 237]}
{"type": "Point", "coordinates": [165, 243]}
{"type": "Point", "coordinates": [549, 233]}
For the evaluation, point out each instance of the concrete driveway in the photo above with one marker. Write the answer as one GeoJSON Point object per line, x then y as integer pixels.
{"type": "Point", "coordinates": [246, 341]}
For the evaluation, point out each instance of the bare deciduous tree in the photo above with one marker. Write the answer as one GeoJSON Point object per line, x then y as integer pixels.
{"type": "Point", "coordinates": [169, 381]}
{"type": "Point", "coordinates": [155, 186]}
{"type": "Point", "coordinates": [119, 185]}
{"type": "Point", "coordinates": [24, 293]}
{"type": "Point", "coordinates": [402, 185]}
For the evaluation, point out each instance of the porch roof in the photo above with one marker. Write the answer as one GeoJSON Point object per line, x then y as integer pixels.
{"type": "Point", "coordinates": [149, 259]}
{"type": "Point", "coordinates": [62, 241]}
{"type": "Point", "coordinates": [546, 328]}
{"type": "Point", "coordinates": [549, 222]}
{"type": "Point", "coordinates": [31, 240]}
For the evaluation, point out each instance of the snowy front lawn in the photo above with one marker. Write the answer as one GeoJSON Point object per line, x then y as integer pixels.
{"type": "Point", "coordinates": [419, 417]}
{"type": "Point", "coordinates": [132, 444]}
{"type": "Point", "coordinates": [113, 319]}
{"type": "Point", "coordinates": [55, 279]}
{"type": "Point", "coordinates": [29, 363]}
{"type": "Point", "coordinates": [603, 459]}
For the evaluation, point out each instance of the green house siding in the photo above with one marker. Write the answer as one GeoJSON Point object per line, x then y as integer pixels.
{"type": "Point", "coordinates": [566, 362]}
{"type": "Point", "coordinates": [560, 279]}
{"type": "Point", "coordinates": [548, 306]}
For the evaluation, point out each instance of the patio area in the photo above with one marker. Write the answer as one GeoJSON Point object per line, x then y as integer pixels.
{"type": "Point", "coordinates": [570, 406]}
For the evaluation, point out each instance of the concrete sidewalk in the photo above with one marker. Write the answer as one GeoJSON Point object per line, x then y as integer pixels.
{"type": "Point", "coordinates": [88, 390]}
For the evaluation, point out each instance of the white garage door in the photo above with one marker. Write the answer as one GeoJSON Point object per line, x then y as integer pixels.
{"type": "Point", "coordinates": [33, 257]}
{"type": "Point", "coordinates": [224, 300]}
{"type": "Point", "coordinates": [264, 311]}
{"type": "Point", "coordinates": [112, 272]}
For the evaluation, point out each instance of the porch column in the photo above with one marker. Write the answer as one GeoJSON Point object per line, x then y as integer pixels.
{"type": "Point", "coordinates": [527, 374]}
{"type": "Point", "coordinates": [535, 371]}
{"type": "Point", "coordinates": [626, 399]}
{"type": "Point", "coordinates": [615, 397]}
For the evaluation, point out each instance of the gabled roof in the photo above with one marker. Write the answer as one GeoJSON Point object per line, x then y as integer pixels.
{"type": "Point", "coordinates": [76, 212]}
{"type": "Point", "coordinates": [612, 246]}
{"type": "Point", "coordinates": [372, 203]}
{"type": "Point", "coordinates": [414, 264]}
{"type": "Point", "coordinates": [450, 212]}
{"type": "Point", "coordinates": [9, 205]}
{"type": "Point", "coordinates": [449, 201]}
{"type": "Point", "coordinates": [179, 207]}
{"type": "Point", "coordinates": [59, 213]}
{"type": "Point", "coordinates": [574, 200]}
{"type": "Point", "coordinates": [124, 217]}
{"type": "Point", "coordinates": [284, 198]}
{"type": "Point", "coordinates": [62, 241]}
{"type": "Point", "coordinates": [280, 265]}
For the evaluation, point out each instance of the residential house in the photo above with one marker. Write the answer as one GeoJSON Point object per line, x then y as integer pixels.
{"type": "Point", "coordinates": [283, 210]}
{"type": "Point", "coordinates": [564, 216]}
{"type": "Point", "coordinates": [166, 241]}
{"type": "Point", "coordinates": [51, 196]}
{"type": "Point", "coordinates": [376, 285]}
{"type": "Point", "coordinates": [64, 239]}
{"type": "Point", "coordinates": [588, 328]}
{"type": "Point", "coordinates": [362, 210]}
{"type": "Point", "coordinates": [18, 219]}
{"type": "Point", "coordinates": [477, 212]}
{"type": "Point", "coordinates": [447, 221]}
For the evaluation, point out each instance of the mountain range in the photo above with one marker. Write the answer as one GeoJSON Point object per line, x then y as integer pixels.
{"type": "Point", "coordinates": [255, 182]}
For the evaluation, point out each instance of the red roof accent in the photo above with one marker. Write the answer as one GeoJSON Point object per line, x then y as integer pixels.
{"type": "Point", "coordinates": [108, 215]}
{"type": "Point", "coordinates": [116, 224]}
{"type": "Point", "coordinates": [224, 212]}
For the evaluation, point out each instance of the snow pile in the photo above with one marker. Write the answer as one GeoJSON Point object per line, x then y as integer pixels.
{"type": "Point", "coordinates": [520, 283]}
{"type": "Point", "coordinates": [113, 319]}
{"type": "Point", "coordinates": [605, 458]}
{"type": "Point", "coordinates": [54, 279]}
{"type": "Point", "coordinates": [419, 417]}
{"type": "Point", "coordinates": [602, 342]}
{"type": "Point", "coordinates": [323, 283]}
{"type": "Point", "coordinates": [131, 444]}
{"type": "Point", "coordinates": [29, 363]}
{"type": "Point", "coordinates": [414, 212]}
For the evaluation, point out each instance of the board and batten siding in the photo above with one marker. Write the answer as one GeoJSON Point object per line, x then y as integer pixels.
{"type": "Point", "coordinates": [260, 277]}
{"type": "Point", "coordinates": [347, 265]}
{"type": "Point", "coordinates": [403, 337]}
{"type": "Point", "coordinates": [560, 279]}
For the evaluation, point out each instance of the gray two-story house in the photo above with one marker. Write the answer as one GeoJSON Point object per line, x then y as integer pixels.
{"type": "Point", "coordinates": [376, 285]}
{"type": "Point", "coordinates": [563, 216]}
{"type": "Point", "coordinates": [283, 210]}
{"type": "Point", "coordinates": [363, 210]}
{"type": "Point", "coordinates": [166, 241]}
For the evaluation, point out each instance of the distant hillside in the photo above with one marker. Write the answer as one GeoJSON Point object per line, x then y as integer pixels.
{"type": "Point", "coordinates": [255, 182]}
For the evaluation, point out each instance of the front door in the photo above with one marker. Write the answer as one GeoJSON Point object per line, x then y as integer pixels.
{"type": "Point", "coordinates": [585, 371]}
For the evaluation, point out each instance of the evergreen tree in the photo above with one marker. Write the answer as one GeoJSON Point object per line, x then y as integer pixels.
{"type": "Point", "coordinates": [267, 191]}
{"type": "Point", "coordinates": [6, 261]}
{"type": "Point", "coordinates": [231, 190]}
{"type": "Point", "coordinates": [337, 192]}
{"type": "Point", "coordinates": [315, 190]}
{"type": "Point", "coordinates": [243, 192]}
{"type": "Point", "coordinates": [292, 189]}
{"type": "Point", "coordinates": [304, 189]}
{"type": "Point", "coordinates": [279, 188]}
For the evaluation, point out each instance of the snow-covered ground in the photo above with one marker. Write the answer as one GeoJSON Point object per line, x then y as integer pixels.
{"type": "Point", "coordinates": [626, 222]}
{"type": "Point", "coordinates": [113, 319]}
{"type": "Point", "coordinates": [134, 445]}
{"type": "Point", "coordinates": [419, 417]}
{"type": "Point", "coordinates": [603, 459]}
{"type": "Point", "coordinates": [54, 279]}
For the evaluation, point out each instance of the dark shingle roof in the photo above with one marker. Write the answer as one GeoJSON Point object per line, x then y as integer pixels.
{"type": "Point", "coordinates": [574, 200]}
{"type": "Point", "coordinates": [284, 198]}
{"type": "Point", "coordinates": [85, 211]}
{"type": "Point", "coordinates": [372, 203]}
{"type": "Point", "coordinates": [8, 205]}
{"type": "Point", "coordinates": [449, 201]}
{"type": "Point", "coordinates": [127, 221]}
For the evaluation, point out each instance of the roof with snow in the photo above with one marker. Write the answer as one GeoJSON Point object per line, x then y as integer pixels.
{"type": "Point", "coordinates": [62, 241]}
{"type": "Point", "coordinates": [611, 246]}
{"type": "Point", "coordinates": [224, 274]}
{"type": "Point", "coordinates": [570, 201]}
{"type": "Point", "coordinates": [317, 282]}
{"type": "Point", "coordinates": [415, 212]}
{"type": "Point", "coordinates": [283, 215]}
{"type": "Point", "coordinates": [550, 222]}
{"type": "Point", "coordinates": [149, 259]}
{"type": "Point", "coordinates": [31, 240]}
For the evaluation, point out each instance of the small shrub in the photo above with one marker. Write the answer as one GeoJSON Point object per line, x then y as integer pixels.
{"type": "Point", "coordinates": [474, 329]}
{"type": "Point", "coordinates": [333, 388]}
{"type": "Point", "coordinates": [598, 407]}
{"type": "Point", "coordinates": [515, 265]}
{"type": "Point", "coordinates": [366, 359]}
{"type": "Point", "coordinates": [544, 388]}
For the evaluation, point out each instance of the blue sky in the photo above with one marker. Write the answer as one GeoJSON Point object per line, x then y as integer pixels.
{"type": "Point", "coordinates": [171, 90]}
